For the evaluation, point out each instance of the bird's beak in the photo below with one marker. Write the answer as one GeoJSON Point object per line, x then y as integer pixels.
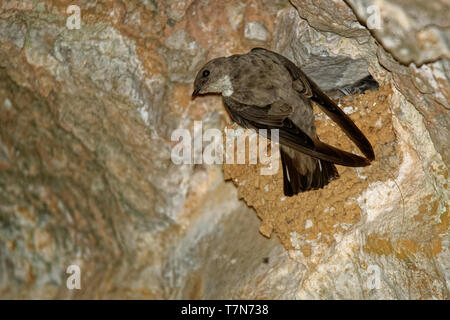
{"type": "Point", "coordinates": [195, 92]}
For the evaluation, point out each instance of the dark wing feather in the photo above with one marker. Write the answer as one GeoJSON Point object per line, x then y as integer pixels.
{"type": "Point", "coordinates": [289, 134]}
{"type": "Point", "coordinates": [312, 91]}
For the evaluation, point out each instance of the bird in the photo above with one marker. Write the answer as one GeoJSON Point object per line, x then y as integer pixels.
{"type": "Point", "coordinates": [263, 89]}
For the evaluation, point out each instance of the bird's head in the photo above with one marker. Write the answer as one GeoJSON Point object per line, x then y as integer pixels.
{"type": "Point", "coordinates": [213, 77]}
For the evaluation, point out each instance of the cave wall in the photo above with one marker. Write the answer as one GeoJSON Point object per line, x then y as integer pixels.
{"type": "Point", "coordinates": [86, 178]}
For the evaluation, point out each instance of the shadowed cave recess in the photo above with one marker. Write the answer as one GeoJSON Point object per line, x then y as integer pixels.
{"type": "Point", "coordinates": [86, 176]}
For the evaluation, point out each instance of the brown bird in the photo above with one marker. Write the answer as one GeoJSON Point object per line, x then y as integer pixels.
{"type": "Point", "coordinates": [264, 90]}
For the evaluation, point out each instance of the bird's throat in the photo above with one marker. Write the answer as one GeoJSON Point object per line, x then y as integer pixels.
{"type": "Point", "coordinates": [227, 87]}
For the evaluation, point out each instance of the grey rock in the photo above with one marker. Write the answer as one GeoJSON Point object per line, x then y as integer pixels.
{"type": "Point", "coordinates": [412, 31]}
{"type": "Point", "coordinates": [86, 176]}
{"type": "Point", "coordinates": [255, 31]}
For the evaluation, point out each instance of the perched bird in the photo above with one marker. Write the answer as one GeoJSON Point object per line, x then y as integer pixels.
{"type": "Point", "coordinates": [264, 90]}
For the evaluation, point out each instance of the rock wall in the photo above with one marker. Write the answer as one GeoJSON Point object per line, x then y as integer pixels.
{"type": "Point", "coordinates": [86, 178]}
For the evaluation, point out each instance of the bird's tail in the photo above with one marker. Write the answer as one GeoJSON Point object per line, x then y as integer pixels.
{"type": "Point", "coordinates": [302, 172]}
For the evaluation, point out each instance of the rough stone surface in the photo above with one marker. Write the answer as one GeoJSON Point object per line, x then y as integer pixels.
{"type": "Point", "coordinates": [86, 118]}
{"type": "Point", "coordinates": [412, 30]}
{"type": "Point", "coordinates": [255, 31]}
{"type": "Point", "coordinates": [416, 32]}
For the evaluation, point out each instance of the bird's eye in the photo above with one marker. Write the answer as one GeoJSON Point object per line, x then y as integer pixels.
{"type": "Point", "coordinates": [205, 73]}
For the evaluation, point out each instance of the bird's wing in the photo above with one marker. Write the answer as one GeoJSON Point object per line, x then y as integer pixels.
{"type": "Point", "coordinates": [270, 115]}
{"type": "Point", "coordinates": [290, 135]}
{"type": "Point", "coordinates": [305, 86]}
